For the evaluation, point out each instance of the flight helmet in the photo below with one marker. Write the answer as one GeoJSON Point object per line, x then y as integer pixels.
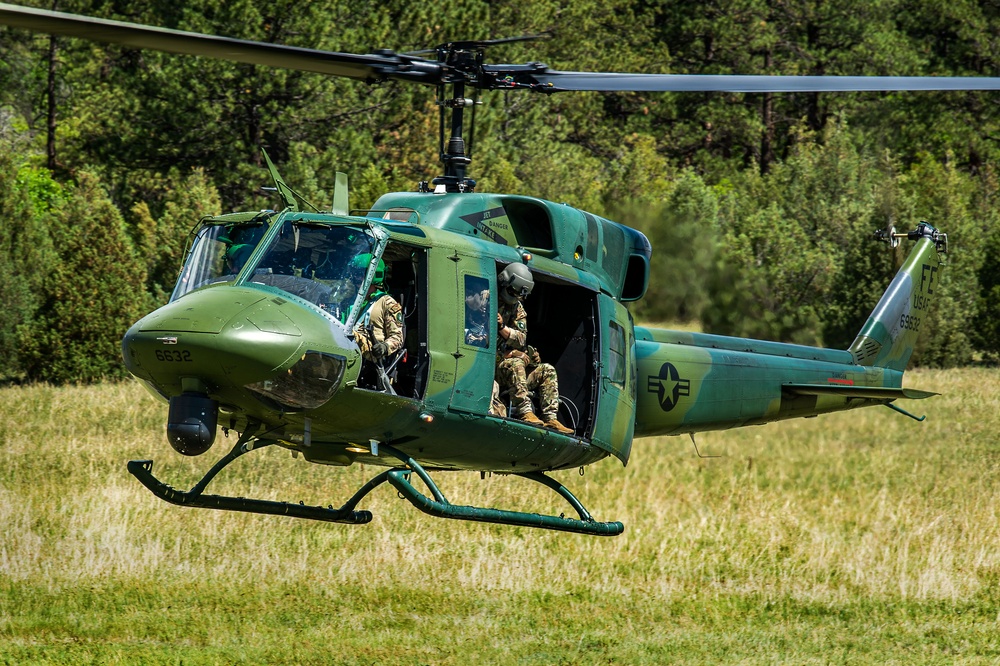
{"type": "Point", "coordinates": [237, 254]}
{"type": "Point", "coordinates": [361, 262]}
{"type": "Point", "coordinates": [515, 283]}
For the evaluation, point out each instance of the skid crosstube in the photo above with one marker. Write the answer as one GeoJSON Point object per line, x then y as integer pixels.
{"type": "Point", "coordinates": [397, 477]}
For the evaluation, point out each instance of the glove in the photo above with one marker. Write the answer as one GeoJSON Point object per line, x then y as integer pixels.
{"type": "Point", "coordinates": [534, 358]}
{"type": "Point", "coordinates": [380, 350]}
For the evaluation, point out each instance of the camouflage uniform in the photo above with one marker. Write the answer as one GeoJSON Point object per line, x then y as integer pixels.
{"type": "Point", "coordinates": [382, 321]}
{"type": "Point", "coordinates": [519, 368]}
{"type": "Point", "coordinates": [497, 408]}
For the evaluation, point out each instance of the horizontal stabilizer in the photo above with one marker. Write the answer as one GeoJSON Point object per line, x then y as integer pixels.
{"type": "Point", "coordinates": [864, 392]}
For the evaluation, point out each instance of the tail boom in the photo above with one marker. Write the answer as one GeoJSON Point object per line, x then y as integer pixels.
{"type": "Point", "coordinates": [693, 382]}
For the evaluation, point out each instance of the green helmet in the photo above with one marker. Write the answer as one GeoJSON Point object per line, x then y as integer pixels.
{"type": "Point", "coordinates": [362, 261]}
{"type": "Point", "coordinates": [238, 253]}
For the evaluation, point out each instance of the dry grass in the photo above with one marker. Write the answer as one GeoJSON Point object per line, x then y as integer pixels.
{"type": "Point", "coordinates": [887, 525]}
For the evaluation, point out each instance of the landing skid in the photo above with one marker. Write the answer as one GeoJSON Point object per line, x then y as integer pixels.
{"type": "Point", "coordinates": [440, 507]}
{"type": "Point", "coordinates": [143, 470]}
{"type": "Point", "coordinates": [398, 478]}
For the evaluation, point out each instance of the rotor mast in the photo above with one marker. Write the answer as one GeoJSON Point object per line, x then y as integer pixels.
{"type": "Point", "coordinates": [454, 155]}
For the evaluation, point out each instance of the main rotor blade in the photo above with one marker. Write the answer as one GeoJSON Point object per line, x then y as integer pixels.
{"type": "Point", "coordinates": [555, 81]}
{"type": "Point", "coordinates": [350, 65]}
{"type": "Point", "coordinates": [388, 65]}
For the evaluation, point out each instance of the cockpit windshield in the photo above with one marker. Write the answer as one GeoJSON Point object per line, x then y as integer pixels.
{"type": "Point", "coordinates": [316, 262]}
{"type": "Point", "coordinates": [218, 254]}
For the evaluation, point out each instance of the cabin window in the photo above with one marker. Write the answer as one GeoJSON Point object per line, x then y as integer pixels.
{"type": "Point", "coordinates": [616, 359]}
{"type": "Point", "coordinates": [401, 215]}
{"type": "Point", "coordinates": [477, 310]}
{"type": "Point", "coordinates": [633, 381]}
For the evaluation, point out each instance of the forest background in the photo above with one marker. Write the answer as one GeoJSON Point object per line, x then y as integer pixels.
{"type": "Point", "coordinates": [760, 207]}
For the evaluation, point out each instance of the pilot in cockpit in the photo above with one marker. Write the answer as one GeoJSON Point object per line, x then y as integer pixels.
{"type": "Point", "coordinates": [235, 255]}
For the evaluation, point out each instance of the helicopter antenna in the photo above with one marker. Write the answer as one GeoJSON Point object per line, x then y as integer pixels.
{"type": "Point", "coordinates": [287, 196]}
{"type": "Point", "coordinates": [696, 448]}
{"type": "Point", "coordinates": [290, 197]}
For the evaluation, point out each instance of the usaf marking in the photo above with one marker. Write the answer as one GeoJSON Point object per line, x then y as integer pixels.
{"type": "Point", "coordinates": [476, 221]}
{"type": "Point", "coordinates": [668, 386]}
{"type": "Point", "coordinates": [927, 275]}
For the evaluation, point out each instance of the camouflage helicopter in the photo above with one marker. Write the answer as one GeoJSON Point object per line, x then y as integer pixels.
{"type": "Point", "coordinates": [260, 335]}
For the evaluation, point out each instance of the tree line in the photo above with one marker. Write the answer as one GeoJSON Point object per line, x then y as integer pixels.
{"type": "Point", "coordinates": [760, 207]}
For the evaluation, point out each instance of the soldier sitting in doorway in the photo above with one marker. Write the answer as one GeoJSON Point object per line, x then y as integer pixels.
{"type": "Point", "coordinates": [519, 368]}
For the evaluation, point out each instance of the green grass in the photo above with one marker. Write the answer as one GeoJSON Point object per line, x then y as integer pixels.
{"type": "Point", "coordinates": [862, 537]}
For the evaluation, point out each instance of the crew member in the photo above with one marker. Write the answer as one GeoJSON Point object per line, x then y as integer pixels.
{"type": "Point", "coordinates": [519, 368]}
{"type": "Point", "coordinates": [379, 331]}
{"type": "Point", "coordinates": [235, 255]}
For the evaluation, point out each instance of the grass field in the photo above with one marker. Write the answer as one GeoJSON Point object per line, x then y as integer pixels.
{"type": "Point", "coordinates": [863, 537]}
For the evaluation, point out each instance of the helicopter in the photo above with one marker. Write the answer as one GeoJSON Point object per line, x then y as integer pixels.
{"type": "Point", "coordinates": [260, 335]}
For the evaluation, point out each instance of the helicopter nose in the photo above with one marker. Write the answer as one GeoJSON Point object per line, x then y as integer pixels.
{"type": "Point", "coordinates": [221, 336]}
{"type": "Point", "coordinates": [220, 344]}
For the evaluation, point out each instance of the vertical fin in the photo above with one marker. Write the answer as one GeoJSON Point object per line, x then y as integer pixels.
{"type": "Point", "coordinates": [890, 334]}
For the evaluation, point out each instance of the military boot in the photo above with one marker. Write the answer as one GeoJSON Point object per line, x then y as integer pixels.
{"type": "Point", "coordinates": [553, 423]}
{"type": "Point", "coordinates": [529, 417]}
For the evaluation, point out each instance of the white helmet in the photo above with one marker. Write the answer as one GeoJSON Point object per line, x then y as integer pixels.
{"type": "Point", "coordinates": [515, 282]}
